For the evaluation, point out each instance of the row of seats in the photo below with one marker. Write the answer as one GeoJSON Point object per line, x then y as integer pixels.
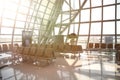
{"type": "Point", "coordinates": [102, 46]}
{"type": "Point", "coordinates": [57, 48]}
{"type": "Point", "coordinates": [62, 47]}
{"type": "Point", "coordinates": [34, 54]}
{"type": "Point", "coordinates": [37, 53]}
{"type": "Point", "coordinates": [7, 47]}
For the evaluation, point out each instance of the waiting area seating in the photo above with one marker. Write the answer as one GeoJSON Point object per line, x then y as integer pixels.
{"type": "Point", "coordinates": [101, 47]}
{"type": "Point", "coordinates": [8, 47]}
{"type": "Point", "coordinates": [36, 54]}
{"type": "Point", "coordinates": [47, 52]}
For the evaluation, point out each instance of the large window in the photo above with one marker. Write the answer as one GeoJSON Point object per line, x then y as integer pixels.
{"type": "Point", "coordinates": [96, 14]}
{"type": "Point", "coordinates": [91, 20]}
{"type": "Point", "coordinates": [109, 13]}
{"type": "Point", "coordinates": [19, 15]}
{"type": "Point", "coordinates": [94, 20]}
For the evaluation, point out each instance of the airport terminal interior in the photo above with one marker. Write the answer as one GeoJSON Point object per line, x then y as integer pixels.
{"type": "Point", "coordinates": [59, 39]}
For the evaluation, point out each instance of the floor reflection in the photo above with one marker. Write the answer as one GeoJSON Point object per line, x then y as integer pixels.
{"type": "Point", "coordinates": [88, 67]}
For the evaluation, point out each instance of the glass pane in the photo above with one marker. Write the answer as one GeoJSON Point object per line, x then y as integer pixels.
{"type": "Point", "coordinates": [29, 25]}
{"type": "Point", "coordinates": [75, 4]}
{"type": "Point", "coordinates": [118, 27]}
{"type": "Point", "coordinates": [95, 39]}
{"type": "Point", "coordinates": [48, 11]}
{"type": "Point", "coordinates": [17, 38]}
{"type": "Point", "coordinates": [76, 27]}
{"type": "Point", "coordinates": [15, 1]}
{"type": "Point", "coordinates": [53, 1]}
{"type": "Point", "coordinates": [6, 30]}
{"type": "Point", "coordinates": [109, 13]}
{"type": "Point", "coordinates": [36, 6]}
{"type": "Point", "coordinates": [96, 3]}
{"type": "Point", "coordinates": [36, 26]}
{"type": "Point", "coordinates": [50, 5]}
{"type": "Point", "coordinates": [84, 28]}
{"type": "Point", "coordinates": [96, 14]}
{"type": "Point", "coordinates": [10, 6]}
{"type": "Point", "coordinates": [56, 30]}
{"type": "Point", "coordinates": [65, 32]}
{"type": "Point", "coordinates": [96, 28]}
{"type": "Point", "coordinates": [23, 10]}
{"type": "Point", "coordinates": [65, 7]}
{"type": "Point", "coordinates": [85, 15]}
{"type": "Point", "coordinates": [118, 1]}
{"type": "Point", "coordinates": [7, 22]}
{"type": "Point", "coordinates": [46, 16]}
{"type": "Point", "coordinates": [73, 28]}
{"type": "Point", "coordinates": [77, 18]}
{"type": "Point", "coordinates": [9, 14]}
{"type": "Point", "coordinates": [18, 31]}
{"type": "Point", "coordinates": [42, 8]}
{"type": "Point", "coordinates": [87, 4]}
{"type": "Point", "coordinates": [105, 2]}
{"type": "Point", "coordinates": [44, 22]}
{"type": "Point", "coordinates": [25, 2]}
{"type": "Point", "coordinates": [82, 41]}
{"type": "Point", "coordinates": [44, 2]}
{"type": "Point", "coordinates": [109, 28]}
{"type": "Point", "coordinates": [65, 18]}
{"type": "Point", "coordinates": [118, 39]}
{"type": "Point", "coordinates": [21, 17]}
{"type": "Point", "coordinates": [40, 14]}
{"type": "Point", "coordinates": [20, 24]}
{"type": "Point", "coordinates": [5, 38]}
{"type": "Point", "coordinates": [36, 32]}
{"type": "Point", "coordinates": [118, 12]}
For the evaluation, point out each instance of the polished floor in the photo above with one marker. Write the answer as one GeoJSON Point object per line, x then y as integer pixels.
{"type": "Point", "coordinates": [94, 66]}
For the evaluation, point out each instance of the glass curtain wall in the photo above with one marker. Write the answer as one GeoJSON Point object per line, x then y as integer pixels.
{"type": "Point", "coordinates": [26, 15]}
{"type": "Point", "coordinates": [92, 20]}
